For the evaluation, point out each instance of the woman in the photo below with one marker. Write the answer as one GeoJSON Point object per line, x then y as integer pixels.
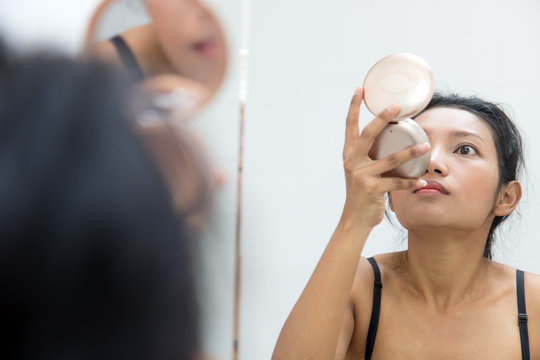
{"type": "Point", "coordinates": [444, 297]}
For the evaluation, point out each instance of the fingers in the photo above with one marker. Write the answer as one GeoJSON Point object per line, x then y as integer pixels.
{"type": "Point", "coordinates": [370, 132]}
{"type": "Point", "coordinates": [386, 185]}
{"type": "Point", "coordinates": [351, 130]}
{"type": "Point", "coordinates": [372, 185]}
{"type": "Point", "coordinates": [394, 160]}
{"type": "Point", "coordinates": [374, 128]}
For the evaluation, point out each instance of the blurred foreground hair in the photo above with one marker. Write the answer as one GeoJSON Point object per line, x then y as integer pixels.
{"type": "Point", "coordinates": [93, 262]}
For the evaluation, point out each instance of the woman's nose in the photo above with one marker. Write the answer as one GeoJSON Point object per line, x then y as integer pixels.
{"type": "Point", "coordinates": [437, 164]}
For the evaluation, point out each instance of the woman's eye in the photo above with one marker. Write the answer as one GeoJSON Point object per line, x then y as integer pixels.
{"type": "Point", "coordinates": [466, 150]}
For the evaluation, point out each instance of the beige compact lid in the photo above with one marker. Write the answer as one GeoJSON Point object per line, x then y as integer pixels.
{"type": "Point", "coordinates": [402, 79]}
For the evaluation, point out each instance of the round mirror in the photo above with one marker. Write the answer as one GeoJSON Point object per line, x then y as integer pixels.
{"type": "Point", "coordinates": [176, 47]}
{"type": "Point", "coordinates": [402, 79]}
{"type": "Point", "coordinates": [176, 50]}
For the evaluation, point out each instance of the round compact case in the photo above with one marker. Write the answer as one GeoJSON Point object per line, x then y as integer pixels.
{"type": "Point", "coordinates": [405, 80]}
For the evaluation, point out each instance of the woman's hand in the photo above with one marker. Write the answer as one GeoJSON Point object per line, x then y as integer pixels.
{"type": "Point", "coordinates": [365, 202]}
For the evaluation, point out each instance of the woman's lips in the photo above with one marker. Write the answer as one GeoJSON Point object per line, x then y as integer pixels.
{"type": "Point", "coordinates": [432, 187]}
{"type": "Point", "coordinates": [208, 48]}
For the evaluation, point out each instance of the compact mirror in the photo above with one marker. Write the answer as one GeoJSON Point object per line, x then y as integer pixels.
{"type": "Point", "coordinates": [405, 80]}
{"type": "Point", "coordinates": [177, 46]}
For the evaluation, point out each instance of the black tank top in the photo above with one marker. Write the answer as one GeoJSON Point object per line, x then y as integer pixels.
{"type": "Point", "coordinates": [376, 309]}
{"type": "Point", "coordinates": [128, 58]}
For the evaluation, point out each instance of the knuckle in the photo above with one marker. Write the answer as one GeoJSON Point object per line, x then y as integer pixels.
{"type": "Point", "coordinates": [403, 183]}
{"type": "Point", "coordinates": [393, 160]}
{"type": "Point", "coordinates": [385, 116]}
{"type": "Point", "coordinates": [348, 163]}
{"type": "Point", "coordinates": [365, 134]}
{"type": "Point", "coordinates": [350, 149]}
{"type": "Point", "coordinates": [358, 178]}
{"type": "Point", "coordinates": [399, 183]}
{"type": "Point", "coordinates": [369, 186]}
{"type": "Point", "coordinates": [414, 151]}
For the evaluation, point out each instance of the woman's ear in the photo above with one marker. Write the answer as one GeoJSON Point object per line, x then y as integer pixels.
{"type": "Point", "coordinates": [508, 198]}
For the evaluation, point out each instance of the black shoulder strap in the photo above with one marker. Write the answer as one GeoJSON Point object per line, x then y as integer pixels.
{"type": "Point", "coordinates": [375, 310]}
{"type": "Point", "coordinates": [128, 58]}
{"type": "Point", "coordinates": [522, 315]}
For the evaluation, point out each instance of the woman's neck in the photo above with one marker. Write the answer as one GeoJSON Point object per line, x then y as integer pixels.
{"type": "Point", "coordinates": [446, 269]}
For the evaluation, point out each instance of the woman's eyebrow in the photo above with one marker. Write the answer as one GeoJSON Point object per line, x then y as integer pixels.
{"type": "Point", "coordinates": [463, 133]}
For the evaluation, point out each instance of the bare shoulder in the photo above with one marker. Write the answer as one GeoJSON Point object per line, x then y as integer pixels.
{"type": "Point", "coordinates": [532, 299]}
{"type": "Point", "coordinates": [361, 302]}
{"type": "Point", "coordinates": [532, 283]}
{"type": "Point", "coordinates": [387, 264]}
{"type": "Point", "coordinates": [363, 284]}
{"type": "Point", "coordinates": [362, 298]}
{"type": "Point", "coordinates": [104, 50]}
{"type": "Point", "coordinates": [532, 302]}
{"type": "Point", "coordinates": [364, 278]}
{"type": "Point", "coordinates": [364, 271]}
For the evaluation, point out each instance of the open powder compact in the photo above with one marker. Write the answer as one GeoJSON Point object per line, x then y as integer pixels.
{"type": "Point", "coordinates": [405, 80]}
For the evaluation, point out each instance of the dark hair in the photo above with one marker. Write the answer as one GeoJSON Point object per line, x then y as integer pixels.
{"type": "Point", "coordinates": [506, 136]}
{"type": "Point", "coordinates": [93, 262]}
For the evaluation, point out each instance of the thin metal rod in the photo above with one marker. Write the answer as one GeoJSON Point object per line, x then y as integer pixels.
{"type": "Point", "coordinates": [237, 250]}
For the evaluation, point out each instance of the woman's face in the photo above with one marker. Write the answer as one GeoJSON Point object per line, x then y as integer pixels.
{"type": "Point", "coordinates": [191, 39]}
{"type": "Point", "coordinates": [464, 172]}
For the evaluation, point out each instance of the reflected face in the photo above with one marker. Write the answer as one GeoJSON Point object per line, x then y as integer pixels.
{"type": "Point", "coordinates": [190, 37]}
{"type": "Point", "coordinates": [464, 171]}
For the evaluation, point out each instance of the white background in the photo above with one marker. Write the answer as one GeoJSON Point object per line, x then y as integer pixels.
{"type": "Point", "coordinates": [306, 57]}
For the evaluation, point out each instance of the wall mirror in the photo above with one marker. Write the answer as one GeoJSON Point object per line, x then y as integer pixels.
{"type": "Point", "coordinates": [176, 46]}
{"type": "Point", "coordinates": [181, 48]}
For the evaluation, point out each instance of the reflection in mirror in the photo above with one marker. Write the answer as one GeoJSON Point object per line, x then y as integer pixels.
{"type": "Point", "coordinates": [186, 168]}
{"type": "Point", "coordinates": [175, 52]}
{"type": "Point", "coordinates": [179, 40]}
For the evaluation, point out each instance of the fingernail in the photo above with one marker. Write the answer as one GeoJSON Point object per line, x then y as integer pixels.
{"type": "Point", "coordinates": [391, 109]}
{"type": "Point", "coordinates": [358, 90]}
{"type": "Point", "coordinates": [421, 183]}
{"type": "Point", "coordinates": [424, 146]}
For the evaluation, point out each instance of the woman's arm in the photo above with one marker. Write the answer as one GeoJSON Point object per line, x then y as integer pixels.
{"type": "Point", "coordinates": [316, 322]}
